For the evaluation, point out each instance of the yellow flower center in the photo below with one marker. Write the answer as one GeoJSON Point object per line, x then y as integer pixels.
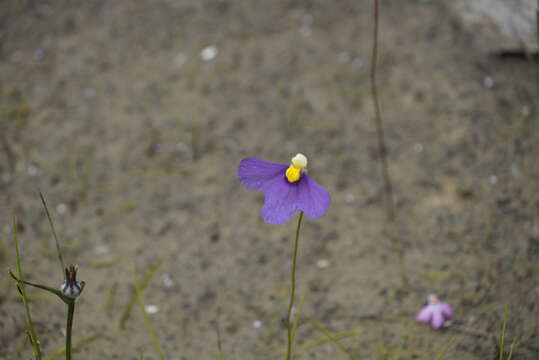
{"type": "Point", "coordinates": [293, 173]}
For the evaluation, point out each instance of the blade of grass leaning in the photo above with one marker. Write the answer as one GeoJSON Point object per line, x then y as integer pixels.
{"type": "Point", "coordinates": [331, 338]}
{"type": "Point", "coordinates": [76, 346]}
{"type": "Point", "coordinates": [20, 286]}
{"type": "Point", "coordinates": [443, 351]}
{"type": "Point", "coordinates": [514, 344]}
{"type": "Point", "coordinates": [322, 340]}
{"type": "Point", "coordinates": [149, 276]}
{"type": "Point", "coordinates": [220, 353]}
{"type": "Point", "coordinates": [147, 322]}
{"type": "Point", "coordinates": [51, 224]}
{"type": "Point", "coordinates": [298, 316]}
{"type": "Point", "coordinates": [43, 287]}
{"type": "Point", "coordinates": [502, 336]}
{"type": "Point", "coordinates": [110, 298]}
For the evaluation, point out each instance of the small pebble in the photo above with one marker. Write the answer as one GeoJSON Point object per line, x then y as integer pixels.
{"type": "Point", "coordinates": [182, 147]}
{"type": "Point", "coordinates": [493, 179]}
{"type": "Point", "coordinates": [33, 170]}
{"type": "Point", "coordinates": [39, 54]}
{"type": "Point", "coordinates": [418, 147]}
{"type": "Point", "coordinates": [488, 82]}
{"type": "Point", "coordinates": [209, 53]}
{"type": "Point", "coordinates": [344, 57]}
{"type": "Point", "coordinates": [328, 348]}
{"type": "Point", "coordinates": [322, 263]}
{"type": "Point", "coordinates": [257, 324]}
{"type": "Point", "coordinates": [167, 280]}
{"type": "Point", "coordinates": [358, 63]}
{"type": "Point", "coordinates": [61, 208]}
{"type": "Point", "coordinates": [101, 250]}
{"type": "Point", "coordinates": [525, 110]}
{"type": "Point", "coordinates": [305, 31]}
{"type": "Point", "coordinates": [349, 198]}
{"type": "Point", "coordinates": [180, 60]}
{"type": "Point", "coordinates": [7, 228]}
{"type": "Point", "coordinates": [88, 94]}
{"type": "Point", "coordinates": [151, 309]}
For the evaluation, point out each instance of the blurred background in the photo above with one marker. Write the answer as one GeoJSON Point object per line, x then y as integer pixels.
{"type": "Point", "coordinates": [131, 118]}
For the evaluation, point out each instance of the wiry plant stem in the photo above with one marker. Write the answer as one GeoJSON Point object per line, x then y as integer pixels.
{"type": "Point", "coordinates": [292, 289]}
{"type": "Point", "coordinates": [69, 327]}
{"type": "Point", "coordinates": [382, 149]}
{"type": "Point", "coordinates": [58, 249]}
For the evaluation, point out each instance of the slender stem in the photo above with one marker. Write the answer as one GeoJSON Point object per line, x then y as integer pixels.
{"type": "Point", "coordinates": [58, 249]}
{"type": "Point", "coordinates": [69, 326]}
{"type": "Point", "coordinates": [20, 285]}
{"type": "Point", "coordinates": [292, 289]}
{"type": "Point", "coordinates": [382, 150]}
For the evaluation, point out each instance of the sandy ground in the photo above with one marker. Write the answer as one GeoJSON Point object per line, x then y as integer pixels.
{"type": "Point", "coordinates": [109, 108]}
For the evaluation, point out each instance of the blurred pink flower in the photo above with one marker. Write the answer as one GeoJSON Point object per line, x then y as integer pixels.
{"type": "Point", "coordinates": [436, 313]}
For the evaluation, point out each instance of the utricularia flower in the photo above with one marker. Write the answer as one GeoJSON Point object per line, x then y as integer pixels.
{"type": "Point", "coordinates": [287, 188]}
{"type": "Point", "coordinates": [71, 287]}
{"type": "Point", "coordinates": [435, 312]}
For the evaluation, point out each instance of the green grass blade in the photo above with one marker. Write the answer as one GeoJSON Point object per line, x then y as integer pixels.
{"type": "Point", "coordinates": [77, 345]}
{"type": "Point", "coordinates": [502, 336]}
{"type": "Point", "coordinates": [443, 351]}
{"type": "Point", "coordinates": [514, 344]}
{"type": "Point", "coordinates": [149, 276]}
{"type": "Point", "coordinates": [20, 286]}
{"type": "Point", "coordinates": [51, 224]}
{"type": "Point", "coordinates": [331, 338]}
{"type": "Point", "coordinates": [147, 322]}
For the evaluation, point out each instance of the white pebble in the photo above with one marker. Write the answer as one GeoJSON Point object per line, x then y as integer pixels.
{"type": "Point", "coordinates": [488, 82]}
{"type": "Point", "coordinates": [525, 110]}
{"type": "Point", "coordinates": [358, 62]}
{"type": "Point", "coordinates": [493, 179]}
{"type": "Point", "coordinates": [322, 263]}
{"type": "Point", "coordinates": [418, 147]}
{"type": "Point", "coordinates": [257, 324]}
{"type": "Point", "coordinates": [167, 280]}
{"type": "Point", "coordinates": [151, 309]}
{"type": "Point", "coordinates": [209, 53]}
{"type": "Point", "coordinates": [33, 170]}
{"type": "Point", "coordinates": [349, 198]}
{"type": "Point", "coordinates": [101, 250]}
{"type": "Point", "coordinates": [7, 228]}
{"type": "Point", "coordinates": [182, 147]}
{"type": "Point", "coordinates": [61, 208]}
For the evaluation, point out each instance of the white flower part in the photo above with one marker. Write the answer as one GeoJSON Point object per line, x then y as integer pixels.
{"type": "Point", "coordinates": [299, 160]}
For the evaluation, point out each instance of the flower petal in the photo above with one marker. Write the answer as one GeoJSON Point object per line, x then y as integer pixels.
{"type": "Point", "coordinates": [424, 315]}
{"type": "Point", "coordinates": [447, 310]}
{"type": "Point", "coordinates": [281, 201]}
{"type": "Point", "coordinates": [313, 199]}
{"type": "Point", "coordinates": [256, 174]}
{"type": "Point", "coordinates": [437, 319]}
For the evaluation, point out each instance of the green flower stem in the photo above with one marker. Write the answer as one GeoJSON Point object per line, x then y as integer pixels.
{"type": "Point", "coordinates": [292, 289]}
{"type": "Point", "coordinates": [20, 285]}
{"type": "Point", "coordinates": [69, 326]}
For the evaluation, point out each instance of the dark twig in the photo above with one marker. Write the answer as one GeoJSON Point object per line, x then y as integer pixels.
{"type": "Point", "coordinates": [382, 149]}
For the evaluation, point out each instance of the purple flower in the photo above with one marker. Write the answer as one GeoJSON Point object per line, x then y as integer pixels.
{"type": "Point", "coordinates": [287, 188]}
{"type": "Point", "coordinates": [436, 313]}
